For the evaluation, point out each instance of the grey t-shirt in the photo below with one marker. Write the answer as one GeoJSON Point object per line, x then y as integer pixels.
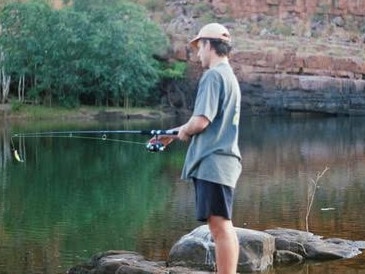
{"type": "Point", "coordinates": [213, 154]}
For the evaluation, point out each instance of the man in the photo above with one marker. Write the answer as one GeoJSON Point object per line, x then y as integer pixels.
{"type": "Point", "coordinates": [213, 157]}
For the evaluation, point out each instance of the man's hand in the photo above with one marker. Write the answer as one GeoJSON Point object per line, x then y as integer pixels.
{"type": "Point", "coordinates": [195, 125]}
{"type": "Point", "coordinates": [161, 141]}
{"type": "Point", "coordinates": [183, 135]}
{"type": "Point", "coordinates": [164, 139]}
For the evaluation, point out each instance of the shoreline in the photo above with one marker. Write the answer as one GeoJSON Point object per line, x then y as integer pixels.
{"type": "Point", "coordinates": [83, 113]}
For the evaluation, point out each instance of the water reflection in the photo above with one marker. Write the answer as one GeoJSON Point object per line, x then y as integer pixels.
{"type": "Point", "coordinates": [72, 198]}
{"type": "Point", "coordinates": [280, 156]}
{"type": "Point", "coordinates": [286, 154]}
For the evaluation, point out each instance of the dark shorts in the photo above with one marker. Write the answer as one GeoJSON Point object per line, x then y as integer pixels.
{"type": "Point", "coordinates": [212, 200]}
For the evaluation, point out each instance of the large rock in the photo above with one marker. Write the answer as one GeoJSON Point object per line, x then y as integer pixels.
{"type": "Point", "coordinates": [260, 250]}
{"type": "Point", "coordinates": [117, 262]}
{"type": "Point", "coordinates": [314, 247]}
{"type": "Point", "coordinates": [256, 250]}
{"type": "Point", "coordinates": [196, 250]}
{"type": "Point", "coordinates": [194, 253]}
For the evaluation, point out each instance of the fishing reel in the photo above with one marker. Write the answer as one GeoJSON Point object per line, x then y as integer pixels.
{"type": "Point", "coordinates": [155, 146]}
{"type": "Point", "coordinates": [161, 138]}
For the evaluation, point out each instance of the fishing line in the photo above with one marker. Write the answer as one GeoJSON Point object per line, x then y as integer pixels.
{"type": "Point", "coordinates": [71, 133]}
{"type": "Point", "coordinates": [153, 146]}
{"type": "Point", "coordinates": [102, 138]}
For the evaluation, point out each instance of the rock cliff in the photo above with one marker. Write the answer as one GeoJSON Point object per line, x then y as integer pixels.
{"type": "Point", "coordinates": [281, 8]}
{"type": "Point", "coordinates": [290, 55]}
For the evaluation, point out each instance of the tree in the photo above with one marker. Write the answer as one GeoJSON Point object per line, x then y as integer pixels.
{"type": "Point", "coordinates": [95, 50]}
{"type": "Point", "coordinates": [125, 40]}
{"type": "Point", "coordinates": [23, 26]}
{"type": "Point", "coordinates": [4, 79]}
{"type": "Point", "coordinates": [171, 76]}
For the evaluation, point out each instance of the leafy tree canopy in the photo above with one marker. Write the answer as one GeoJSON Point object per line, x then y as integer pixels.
{"type": "Point", "coordinates": [98, 51]}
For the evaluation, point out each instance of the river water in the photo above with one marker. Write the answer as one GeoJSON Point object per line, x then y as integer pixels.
{"type": "Point", "coordinates": [72, 197]}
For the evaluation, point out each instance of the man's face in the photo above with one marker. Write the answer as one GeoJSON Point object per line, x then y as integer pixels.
{"type": "Point", "coordinates": [204, 53]}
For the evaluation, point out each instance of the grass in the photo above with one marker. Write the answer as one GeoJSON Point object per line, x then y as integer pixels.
{"type": "Point", "coordinates": [39, 112]}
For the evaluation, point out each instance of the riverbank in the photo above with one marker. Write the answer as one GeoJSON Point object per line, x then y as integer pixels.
{"type": "Point", "coordinates": [37, 112]}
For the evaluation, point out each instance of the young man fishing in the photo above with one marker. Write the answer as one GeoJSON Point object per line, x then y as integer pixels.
{"type": "Point", "coordinates": [213, 158]}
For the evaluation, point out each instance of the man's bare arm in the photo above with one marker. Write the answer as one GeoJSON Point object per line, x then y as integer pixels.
{"type": "Point", "coordinates": [195, 125]}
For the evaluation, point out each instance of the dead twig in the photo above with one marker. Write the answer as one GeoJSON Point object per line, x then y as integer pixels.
{"type": "Point", "coordinates": [311, 194]}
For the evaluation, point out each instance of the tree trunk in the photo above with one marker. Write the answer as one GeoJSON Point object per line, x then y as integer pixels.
{"type": "Point", "coordinates": [5, 85]}
{"type": "Point", "coordinates": [4, 80]}
{"type": "Point", "coordinates": [21, 87]}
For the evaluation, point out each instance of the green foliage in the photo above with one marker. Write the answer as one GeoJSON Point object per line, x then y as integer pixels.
{"type": "Point", "coordinates": [22, 40]}
{"type": "Point", "coordinates": [174, 71]}
{"type": "Point", "coordinates": [16, 106]}
{"type": "Point", "coordinates": [95, 50]}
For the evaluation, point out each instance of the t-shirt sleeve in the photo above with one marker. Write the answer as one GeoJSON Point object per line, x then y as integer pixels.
{"type": "Point", "coordinates": [208, 96]}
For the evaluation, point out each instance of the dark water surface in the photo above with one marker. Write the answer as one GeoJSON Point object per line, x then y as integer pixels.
{"type": "Point", "coordinates": [72, 198]}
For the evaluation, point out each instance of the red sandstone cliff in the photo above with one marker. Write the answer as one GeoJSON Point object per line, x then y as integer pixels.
{"type": "Point", "coordinates": [290, 55]}
{"type": "Point", "coordinates": [280, 8]}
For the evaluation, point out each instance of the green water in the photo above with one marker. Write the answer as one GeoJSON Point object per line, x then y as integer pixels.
{"type": "Point", "coordinates": [72, 198]}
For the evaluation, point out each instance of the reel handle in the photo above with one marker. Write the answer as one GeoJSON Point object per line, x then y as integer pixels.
{"type": "Point", "coordinates": [155, 146]}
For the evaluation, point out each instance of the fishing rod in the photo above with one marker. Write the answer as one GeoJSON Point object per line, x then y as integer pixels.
{"type": "Point", "coordinates": [154, 145]}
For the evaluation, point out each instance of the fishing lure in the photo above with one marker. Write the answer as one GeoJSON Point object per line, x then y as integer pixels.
{"type": "Point", "coordinates": [16, 156]}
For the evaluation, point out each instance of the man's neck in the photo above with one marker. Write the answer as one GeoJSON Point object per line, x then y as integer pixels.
{"type": "Point", "coordinates": [216, 60]}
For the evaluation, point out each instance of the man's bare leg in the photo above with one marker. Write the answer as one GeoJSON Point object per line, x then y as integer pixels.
{"type": "Point", "coordinates": [226, 244]}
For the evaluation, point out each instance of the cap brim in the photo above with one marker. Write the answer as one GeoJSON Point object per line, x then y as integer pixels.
{"type": "Point", "coordinates": [194, 42]}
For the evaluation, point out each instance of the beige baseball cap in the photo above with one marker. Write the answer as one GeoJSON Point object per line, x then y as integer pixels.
{"type": "Point", "coordinates": [212, 30]}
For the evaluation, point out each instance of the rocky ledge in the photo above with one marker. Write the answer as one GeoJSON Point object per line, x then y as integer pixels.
{"type": "Point", "coordinates": [285, 81]}
{"type": "Point", "coordinates": [289, 56]}
{"type": "Point", "coordinates": [259, 251]}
